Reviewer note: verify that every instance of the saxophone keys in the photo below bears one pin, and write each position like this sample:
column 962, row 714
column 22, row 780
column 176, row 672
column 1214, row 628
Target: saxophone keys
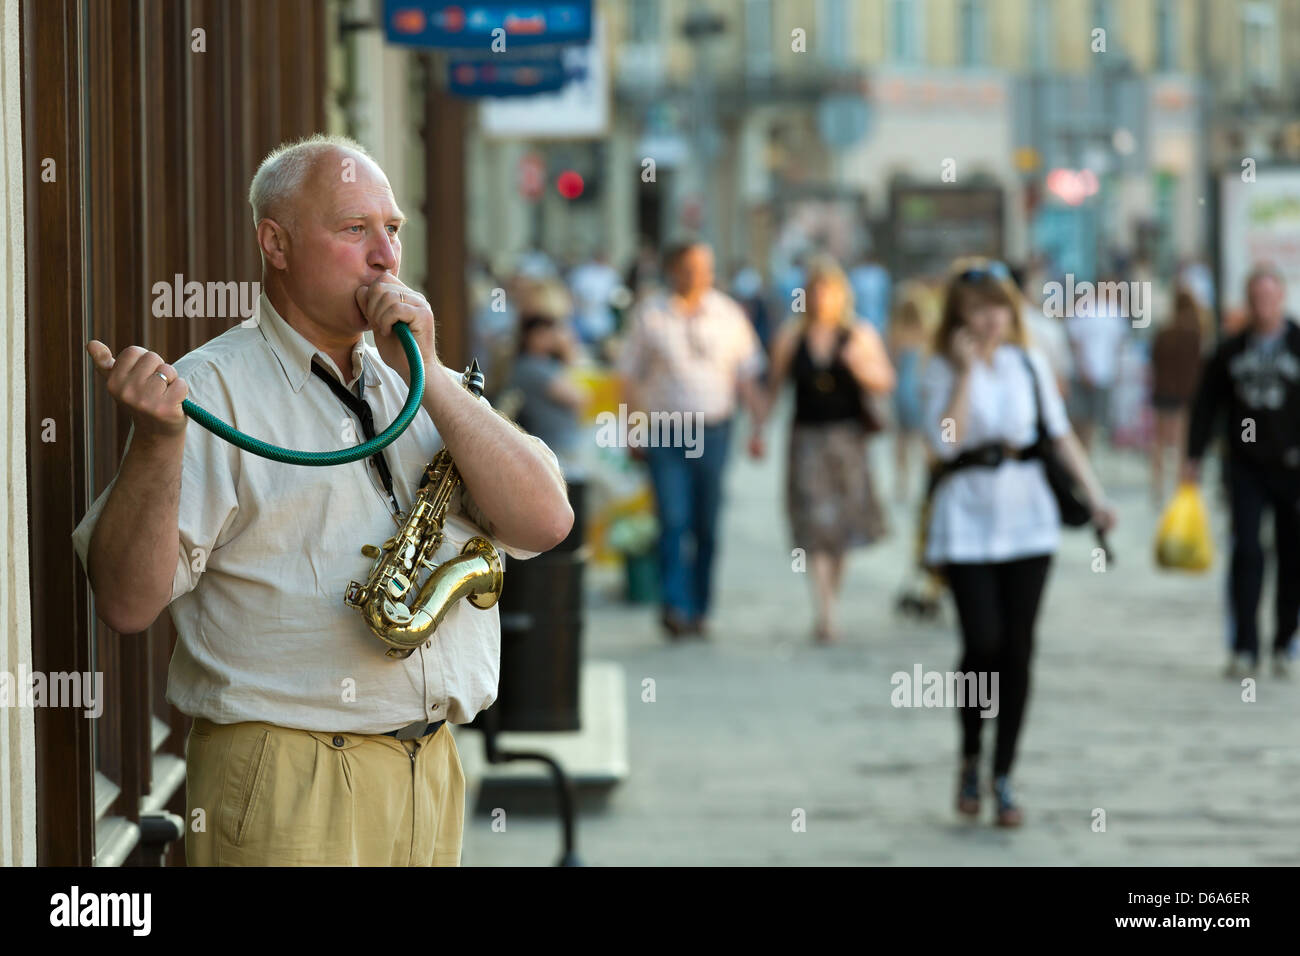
column 370, row 551
column 397, row 586
column 397, row 613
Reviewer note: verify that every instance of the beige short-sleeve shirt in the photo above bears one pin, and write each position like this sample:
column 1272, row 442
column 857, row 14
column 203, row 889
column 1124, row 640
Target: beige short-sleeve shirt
column 268, row 550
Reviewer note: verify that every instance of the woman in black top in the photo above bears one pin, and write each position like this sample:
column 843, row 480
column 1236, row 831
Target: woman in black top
column 830, row 499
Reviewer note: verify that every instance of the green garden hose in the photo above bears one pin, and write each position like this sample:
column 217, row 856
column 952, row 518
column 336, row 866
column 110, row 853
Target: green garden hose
column 340, row 456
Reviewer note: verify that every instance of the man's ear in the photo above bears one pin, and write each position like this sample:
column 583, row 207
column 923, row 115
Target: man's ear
column 273, row 240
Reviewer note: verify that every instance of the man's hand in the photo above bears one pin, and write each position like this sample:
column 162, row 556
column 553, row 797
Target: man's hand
column 386, row 302
column 136, row 382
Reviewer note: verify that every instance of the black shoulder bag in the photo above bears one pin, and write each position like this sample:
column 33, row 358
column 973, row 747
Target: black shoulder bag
column 1070, row 499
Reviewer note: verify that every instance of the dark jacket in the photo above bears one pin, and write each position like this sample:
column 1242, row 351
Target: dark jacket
column 1239, row 384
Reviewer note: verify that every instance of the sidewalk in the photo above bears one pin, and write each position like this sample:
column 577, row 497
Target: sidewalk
column 1128, row 714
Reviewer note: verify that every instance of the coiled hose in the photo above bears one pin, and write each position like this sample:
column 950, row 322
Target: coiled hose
column 339, row 456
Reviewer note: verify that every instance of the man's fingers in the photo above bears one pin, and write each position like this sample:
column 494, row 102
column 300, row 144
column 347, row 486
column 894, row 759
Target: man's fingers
column 177, row 391
column 371, row 294
column 101, row 355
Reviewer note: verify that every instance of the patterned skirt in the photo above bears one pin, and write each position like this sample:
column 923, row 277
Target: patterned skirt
column 830, row 497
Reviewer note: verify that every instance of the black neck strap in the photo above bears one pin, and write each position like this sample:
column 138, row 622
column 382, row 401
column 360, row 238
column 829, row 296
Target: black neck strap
column 359, row 408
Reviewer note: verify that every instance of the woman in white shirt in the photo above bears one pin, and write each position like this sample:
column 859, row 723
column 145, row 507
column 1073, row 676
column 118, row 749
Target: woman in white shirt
column 994, row 527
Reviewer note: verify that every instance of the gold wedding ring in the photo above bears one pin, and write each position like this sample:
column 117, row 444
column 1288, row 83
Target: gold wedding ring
column 163, row 377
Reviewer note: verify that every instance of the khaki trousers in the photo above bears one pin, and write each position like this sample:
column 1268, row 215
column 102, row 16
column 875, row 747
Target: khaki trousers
column 271, row 796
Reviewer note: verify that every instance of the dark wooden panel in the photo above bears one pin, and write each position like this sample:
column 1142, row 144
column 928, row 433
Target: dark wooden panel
column 171, row 137
column 56, row 472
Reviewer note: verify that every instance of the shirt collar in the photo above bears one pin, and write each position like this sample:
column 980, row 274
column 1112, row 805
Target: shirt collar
column 295, row 353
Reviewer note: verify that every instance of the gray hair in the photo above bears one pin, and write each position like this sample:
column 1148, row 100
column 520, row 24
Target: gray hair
column 282, row 172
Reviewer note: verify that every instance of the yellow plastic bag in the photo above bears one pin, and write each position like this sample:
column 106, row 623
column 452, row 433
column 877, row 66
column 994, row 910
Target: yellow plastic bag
column 1183, row 536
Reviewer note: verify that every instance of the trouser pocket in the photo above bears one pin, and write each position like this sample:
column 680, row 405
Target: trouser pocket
column 252, row 782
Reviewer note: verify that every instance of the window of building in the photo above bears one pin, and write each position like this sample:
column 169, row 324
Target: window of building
column 1166, row 35
column 758, row 37
column 1040, row 35
column 643, row 21
column 833, row 30
column 1102, row 17
column 1259, row 44
column 973, row 32
column 905, row 31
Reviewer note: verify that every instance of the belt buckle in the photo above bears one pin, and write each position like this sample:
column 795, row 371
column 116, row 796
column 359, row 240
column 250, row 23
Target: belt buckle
column 412, row 731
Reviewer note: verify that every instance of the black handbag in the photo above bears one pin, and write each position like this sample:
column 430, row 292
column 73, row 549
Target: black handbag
column 1070, row 499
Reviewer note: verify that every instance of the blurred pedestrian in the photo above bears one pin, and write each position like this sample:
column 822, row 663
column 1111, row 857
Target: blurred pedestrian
column 907, row 346
column 871, row 286
column 690, row 352
column 748, row 289
column 832, row 359
column 642, row 274
column 994, row 522
column 1175, row 368
column 550, row 401
column 1047, row 332
column 1096, row 334
column 1253, row 379
column 593, row 284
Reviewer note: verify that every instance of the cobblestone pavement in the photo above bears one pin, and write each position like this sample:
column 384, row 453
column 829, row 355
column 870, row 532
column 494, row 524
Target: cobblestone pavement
column 1128, row 714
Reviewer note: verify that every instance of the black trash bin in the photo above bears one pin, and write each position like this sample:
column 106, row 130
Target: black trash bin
column 541, row 636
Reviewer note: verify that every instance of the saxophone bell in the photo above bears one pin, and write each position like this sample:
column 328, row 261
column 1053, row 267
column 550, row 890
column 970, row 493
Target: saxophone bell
column 475, row 574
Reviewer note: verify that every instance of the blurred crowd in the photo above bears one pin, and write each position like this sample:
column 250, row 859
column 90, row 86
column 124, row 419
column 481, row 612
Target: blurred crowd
column 1131, row 381
column 997, row 384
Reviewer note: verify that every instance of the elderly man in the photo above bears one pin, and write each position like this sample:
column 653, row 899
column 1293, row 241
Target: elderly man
column 309, row 745
column 689, row 353
column 1253, row 381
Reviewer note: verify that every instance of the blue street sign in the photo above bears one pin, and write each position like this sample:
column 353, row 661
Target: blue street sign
column 472, row 76
column 438, row 24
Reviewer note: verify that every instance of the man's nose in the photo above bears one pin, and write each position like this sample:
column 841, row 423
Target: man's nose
column 383, row 253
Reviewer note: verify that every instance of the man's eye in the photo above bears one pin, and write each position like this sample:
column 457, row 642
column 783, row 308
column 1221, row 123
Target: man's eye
column 350, row 228
column 393, row 229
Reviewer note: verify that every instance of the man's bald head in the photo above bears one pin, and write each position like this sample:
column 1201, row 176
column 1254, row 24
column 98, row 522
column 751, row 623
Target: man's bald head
column 293, row 169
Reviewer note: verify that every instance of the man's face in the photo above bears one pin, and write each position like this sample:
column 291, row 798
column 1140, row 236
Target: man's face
column 1267, row 300
column 694, row 272
column 344, row 235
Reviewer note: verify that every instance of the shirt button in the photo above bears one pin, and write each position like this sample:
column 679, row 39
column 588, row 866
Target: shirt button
column 428, row 643
column 338, row 740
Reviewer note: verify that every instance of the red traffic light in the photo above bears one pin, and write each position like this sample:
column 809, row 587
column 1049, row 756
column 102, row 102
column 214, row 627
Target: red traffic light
column 569, row 184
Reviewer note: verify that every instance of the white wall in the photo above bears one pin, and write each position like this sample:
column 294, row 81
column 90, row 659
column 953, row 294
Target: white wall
column 17, row 724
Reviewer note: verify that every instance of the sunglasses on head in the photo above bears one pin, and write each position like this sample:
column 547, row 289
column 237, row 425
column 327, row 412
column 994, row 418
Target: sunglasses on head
column 996, row 270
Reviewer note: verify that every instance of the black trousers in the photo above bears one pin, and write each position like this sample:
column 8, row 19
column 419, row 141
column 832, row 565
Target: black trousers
column 997, row 605
column 1251, row 489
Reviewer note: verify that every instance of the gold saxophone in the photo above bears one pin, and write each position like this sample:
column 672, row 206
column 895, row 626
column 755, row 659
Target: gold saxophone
column 474, row 574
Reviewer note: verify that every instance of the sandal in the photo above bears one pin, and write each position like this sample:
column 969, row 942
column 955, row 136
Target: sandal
column 968, row 788
column 1009, row 814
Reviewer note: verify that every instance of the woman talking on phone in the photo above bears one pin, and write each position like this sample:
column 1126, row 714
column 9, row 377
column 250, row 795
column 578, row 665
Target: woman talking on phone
column 994, row 520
